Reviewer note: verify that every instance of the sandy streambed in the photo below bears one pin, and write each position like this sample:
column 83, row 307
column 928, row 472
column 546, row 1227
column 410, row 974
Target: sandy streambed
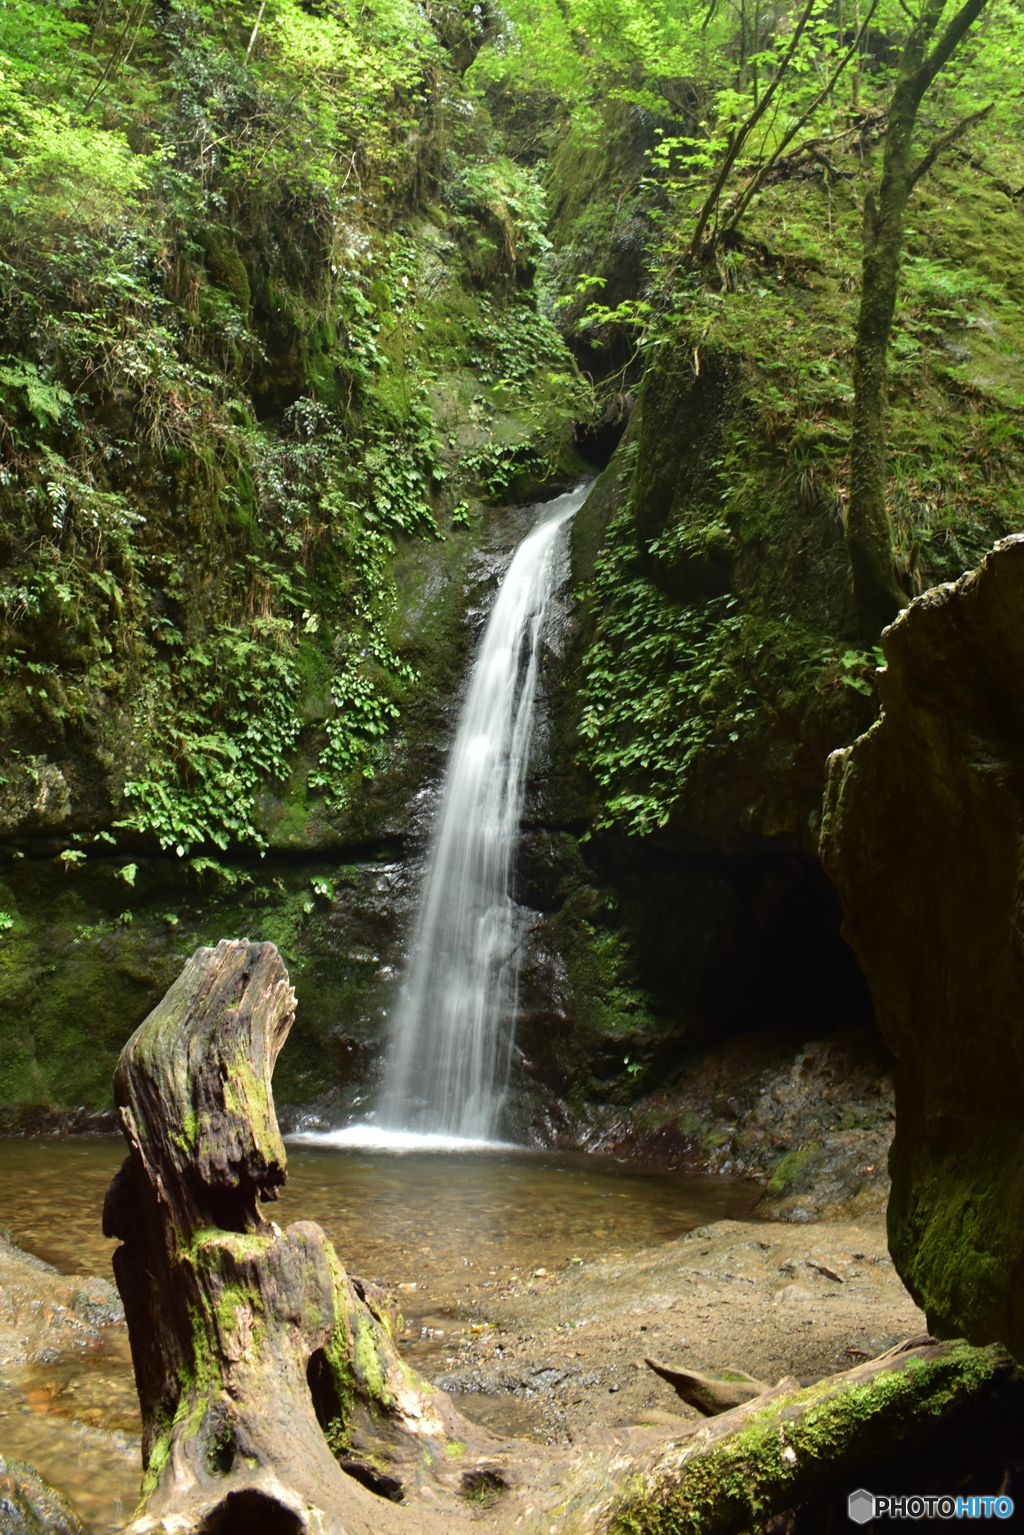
column 552, row 1354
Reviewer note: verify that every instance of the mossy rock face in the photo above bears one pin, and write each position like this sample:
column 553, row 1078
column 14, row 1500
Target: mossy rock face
column 600, row 201
column 86, row 957
column 686, row 403
column 922, row 837
column 226, row 266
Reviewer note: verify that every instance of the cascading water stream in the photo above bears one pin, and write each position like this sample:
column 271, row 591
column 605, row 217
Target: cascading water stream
column 451, row 1042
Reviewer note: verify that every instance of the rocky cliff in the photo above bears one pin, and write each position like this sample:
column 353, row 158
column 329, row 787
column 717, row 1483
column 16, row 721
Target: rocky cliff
column 321, row 309
column 924, row 838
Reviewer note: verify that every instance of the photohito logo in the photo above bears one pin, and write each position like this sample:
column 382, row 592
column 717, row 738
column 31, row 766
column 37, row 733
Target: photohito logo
column 863, row 1505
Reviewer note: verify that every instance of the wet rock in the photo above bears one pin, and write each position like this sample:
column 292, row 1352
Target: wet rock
column 924, row 838
column 28, row 1506
column 525, row 1379
column 34, row 795
column 812, row 1122
column 548, row 868
column 44, row 1313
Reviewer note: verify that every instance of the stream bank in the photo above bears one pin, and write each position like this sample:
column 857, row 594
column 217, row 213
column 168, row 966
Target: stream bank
column 533, row 1301
column 562, row 1351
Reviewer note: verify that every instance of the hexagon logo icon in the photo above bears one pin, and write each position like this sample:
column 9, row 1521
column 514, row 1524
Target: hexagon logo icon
column 860, row 1506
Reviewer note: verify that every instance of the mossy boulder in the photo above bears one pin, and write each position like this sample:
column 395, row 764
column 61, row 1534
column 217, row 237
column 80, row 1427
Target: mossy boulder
column 923, row 839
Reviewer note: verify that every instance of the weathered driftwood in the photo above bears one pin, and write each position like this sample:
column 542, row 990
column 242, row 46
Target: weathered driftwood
column 712, row 1394
column 273, row 1399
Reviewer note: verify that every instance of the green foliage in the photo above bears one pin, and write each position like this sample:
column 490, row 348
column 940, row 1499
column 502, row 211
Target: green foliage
column 512, row 341
column 858, row 666
column 661, row 688
column 498, row 467
column 365, row 713
column 221, row 722
column 33, row 37
column 45, row 401
column 214, row 382
column 514, row 202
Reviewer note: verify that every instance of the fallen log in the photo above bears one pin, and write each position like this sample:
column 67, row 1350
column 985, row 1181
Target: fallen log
column 273, row 1399
column 789, row 1448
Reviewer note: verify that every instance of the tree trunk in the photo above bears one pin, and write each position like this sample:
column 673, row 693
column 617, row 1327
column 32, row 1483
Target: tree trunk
column 869, row 535
column 265, row 1374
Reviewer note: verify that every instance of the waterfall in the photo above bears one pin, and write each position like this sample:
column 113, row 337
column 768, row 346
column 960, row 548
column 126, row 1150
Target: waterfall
column 451, row 1040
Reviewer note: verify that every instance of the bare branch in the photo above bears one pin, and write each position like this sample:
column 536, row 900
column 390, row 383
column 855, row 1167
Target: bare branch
column 256, row 27
column 941, row 145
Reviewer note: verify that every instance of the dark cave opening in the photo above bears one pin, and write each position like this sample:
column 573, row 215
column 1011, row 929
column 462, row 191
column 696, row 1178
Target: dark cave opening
column 731, row 942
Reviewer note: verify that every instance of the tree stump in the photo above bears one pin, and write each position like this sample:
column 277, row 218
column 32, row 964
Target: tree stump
column 273, row 1399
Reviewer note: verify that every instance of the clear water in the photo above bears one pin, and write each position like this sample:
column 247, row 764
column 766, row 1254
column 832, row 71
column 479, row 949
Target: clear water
column 451, row 1041
column 447, row 1228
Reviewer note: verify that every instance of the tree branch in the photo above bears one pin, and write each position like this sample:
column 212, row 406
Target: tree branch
column 757, row 181
column 950, row 40
column 941, row 145
column 711, row 200
column 256, row 27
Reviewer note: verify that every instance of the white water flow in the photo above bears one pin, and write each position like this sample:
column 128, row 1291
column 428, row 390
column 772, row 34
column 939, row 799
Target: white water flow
column 451, row 1042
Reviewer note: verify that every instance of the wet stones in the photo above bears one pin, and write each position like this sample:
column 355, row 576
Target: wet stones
column 44, row 1314
column 28, row 1506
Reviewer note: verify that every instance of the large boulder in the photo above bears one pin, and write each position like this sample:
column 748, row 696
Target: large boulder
column 923, row 835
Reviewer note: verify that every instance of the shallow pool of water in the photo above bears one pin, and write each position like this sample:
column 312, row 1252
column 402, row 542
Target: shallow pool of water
column 446, row 1227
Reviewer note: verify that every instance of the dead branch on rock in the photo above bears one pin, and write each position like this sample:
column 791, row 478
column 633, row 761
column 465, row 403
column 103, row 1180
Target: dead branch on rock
column 711, row 1395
